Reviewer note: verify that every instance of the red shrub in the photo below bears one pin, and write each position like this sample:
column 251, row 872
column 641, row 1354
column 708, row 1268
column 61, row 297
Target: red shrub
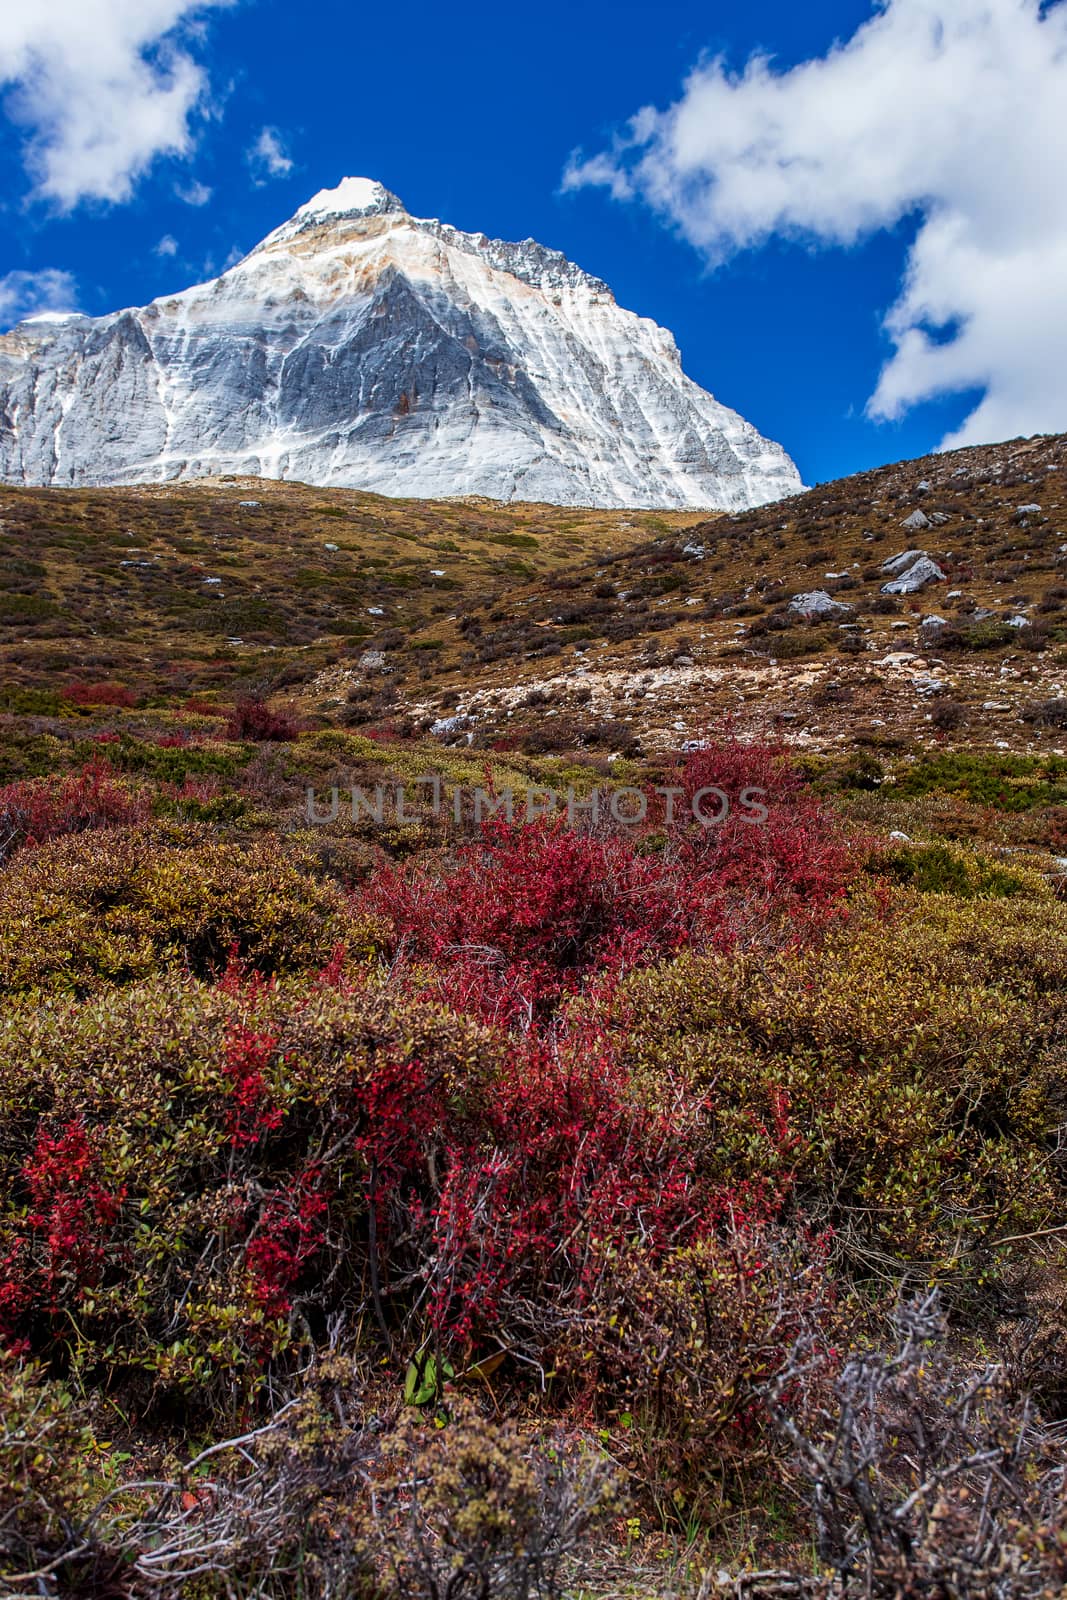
column 288, row 1237
column 251, row 1111
column 565, row 1164
column 71, row 1212
column 794, row 860
column 253, row 719
column 532, row 912
column 98, row 694
column 38, row 809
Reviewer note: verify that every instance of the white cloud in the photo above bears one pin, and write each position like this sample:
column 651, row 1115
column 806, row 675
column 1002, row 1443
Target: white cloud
column 167, row 246
column 102, row 87
column 951, row 112
column 194, row 194
column 22, row 294
column 269, row 157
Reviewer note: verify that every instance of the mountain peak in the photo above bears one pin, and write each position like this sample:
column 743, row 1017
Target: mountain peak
column 360, row 346
column 352, row 197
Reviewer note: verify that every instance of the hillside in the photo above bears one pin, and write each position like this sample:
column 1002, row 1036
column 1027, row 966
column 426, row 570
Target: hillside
column 670, row 633
column 402, row 1198
column 201, row 586
column 361, row 609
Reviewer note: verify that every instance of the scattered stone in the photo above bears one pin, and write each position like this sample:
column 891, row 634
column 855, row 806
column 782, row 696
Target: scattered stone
column 917, row 577
column 331, row 547
column 372, row 661
column 818, row 603
column 899, row 563
column 1029, row 511
column 445, row 727
column 900, row 838
column 375, row 611
column 917, row 520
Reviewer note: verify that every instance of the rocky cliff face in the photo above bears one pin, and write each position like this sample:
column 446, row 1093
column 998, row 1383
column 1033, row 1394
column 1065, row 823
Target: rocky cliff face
column 360, row 347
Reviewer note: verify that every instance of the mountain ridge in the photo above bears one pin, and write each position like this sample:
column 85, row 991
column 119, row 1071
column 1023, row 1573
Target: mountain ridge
column 356, row 346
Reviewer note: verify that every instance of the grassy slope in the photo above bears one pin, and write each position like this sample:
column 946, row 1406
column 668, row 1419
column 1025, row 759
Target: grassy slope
column 521, row 627
column 656, row 621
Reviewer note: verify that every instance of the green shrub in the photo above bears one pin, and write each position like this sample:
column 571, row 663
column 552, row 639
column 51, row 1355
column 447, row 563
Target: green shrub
column 186, row 1171
column 941, row 868
column 995, row 778
column 902, row 1082
column 115, row 907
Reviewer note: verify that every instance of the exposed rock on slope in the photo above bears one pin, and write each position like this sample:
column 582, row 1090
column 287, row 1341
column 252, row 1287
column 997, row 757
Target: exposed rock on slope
column 359, row 346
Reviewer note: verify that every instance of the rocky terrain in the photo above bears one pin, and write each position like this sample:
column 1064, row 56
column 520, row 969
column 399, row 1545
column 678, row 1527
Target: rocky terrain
column 919, row 604
column 360, row 346
column 530, row 624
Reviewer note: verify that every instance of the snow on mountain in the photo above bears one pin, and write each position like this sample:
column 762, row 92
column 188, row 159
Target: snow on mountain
column 358, row 346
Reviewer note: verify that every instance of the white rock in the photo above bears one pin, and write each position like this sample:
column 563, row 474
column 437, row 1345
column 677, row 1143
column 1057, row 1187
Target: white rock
column 445, row 727
column 818, row 603
column 905, row 558
column 916, row 521
column 917, row 577
column 375, row 611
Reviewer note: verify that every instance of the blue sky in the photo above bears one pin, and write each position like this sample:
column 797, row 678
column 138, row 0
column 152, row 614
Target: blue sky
column 472, row 114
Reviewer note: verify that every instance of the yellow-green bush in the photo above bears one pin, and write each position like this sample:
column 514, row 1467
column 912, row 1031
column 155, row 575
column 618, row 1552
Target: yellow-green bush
column 115, row 907
column 186, row 1170
column 903, row 1081
column 937, row 867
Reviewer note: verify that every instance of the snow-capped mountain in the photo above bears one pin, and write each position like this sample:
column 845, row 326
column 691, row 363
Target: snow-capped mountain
column 361, row 347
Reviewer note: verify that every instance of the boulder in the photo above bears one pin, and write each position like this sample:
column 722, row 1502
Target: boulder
column 923, row 571
column 898, row 563
column 817, row 603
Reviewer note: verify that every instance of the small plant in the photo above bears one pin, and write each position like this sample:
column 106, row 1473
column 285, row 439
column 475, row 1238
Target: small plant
column 252, row 719
column 926, row 1478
